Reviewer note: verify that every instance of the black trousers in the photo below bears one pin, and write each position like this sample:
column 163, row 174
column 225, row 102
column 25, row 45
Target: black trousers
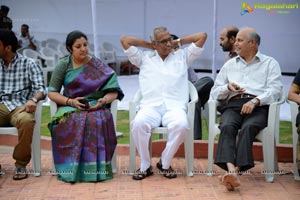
column 203, row 86
column 238, row 133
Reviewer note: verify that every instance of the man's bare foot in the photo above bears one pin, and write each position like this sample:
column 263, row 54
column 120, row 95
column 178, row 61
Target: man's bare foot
column 227, row 185
column 232, row 179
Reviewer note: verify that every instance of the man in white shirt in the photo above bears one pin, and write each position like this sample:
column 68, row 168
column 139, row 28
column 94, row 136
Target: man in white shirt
column 25, row 39
column 246, row 85
column 164, row 86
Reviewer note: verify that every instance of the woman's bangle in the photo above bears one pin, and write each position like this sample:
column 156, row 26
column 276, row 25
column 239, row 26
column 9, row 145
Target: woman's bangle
column 105, row 101
column 67, row 101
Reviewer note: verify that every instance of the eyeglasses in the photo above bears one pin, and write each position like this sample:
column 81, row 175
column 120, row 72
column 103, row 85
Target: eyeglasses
column 165, row 41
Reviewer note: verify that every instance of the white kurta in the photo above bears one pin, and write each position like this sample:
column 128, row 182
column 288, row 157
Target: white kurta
column 165, row 94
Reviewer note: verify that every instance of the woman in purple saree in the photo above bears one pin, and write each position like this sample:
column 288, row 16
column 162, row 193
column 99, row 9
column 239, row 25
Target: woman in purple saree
column 83, row 134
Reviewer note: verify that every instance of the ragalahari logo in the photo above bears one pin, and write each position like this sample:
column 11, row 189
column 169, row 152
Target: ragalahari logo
column 246, row 8
column 271, row 8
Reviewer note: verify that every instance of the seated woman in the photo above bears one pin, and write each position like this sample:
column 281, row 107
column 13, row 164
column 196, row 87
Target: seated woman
column 82, row 130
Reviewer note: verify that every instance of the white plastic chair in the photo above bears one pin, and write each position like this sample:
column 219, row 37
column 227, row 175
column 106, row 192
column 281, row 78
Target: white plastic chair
column 62, row 50
column 20, row 50
column 34, row 55
column 120, row 56
column 36, row 139
column 52, row 41
column 109, row 57
column 52, row 46
column 189, row 140
column 113, row 110
column 57, row 49
column 51, row 58
column 107, row 46
column 38, row 44
column 267, row 136
column 294, row 112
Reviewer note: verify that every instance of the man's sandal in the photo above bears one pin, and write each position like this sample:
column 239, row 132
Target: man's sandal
column 168, row 173
column 20, row 174
column 140, row 175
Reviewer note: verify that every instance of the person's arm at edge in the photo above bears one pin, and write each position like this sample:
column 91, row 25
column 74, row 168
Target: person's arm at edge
column 128, row 41
column 293, row 94
column 31, row 43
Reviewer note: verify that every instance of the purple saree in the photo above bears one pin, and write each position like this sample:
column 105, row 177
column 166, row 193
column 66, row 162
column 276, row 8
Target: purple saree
column 83, row 142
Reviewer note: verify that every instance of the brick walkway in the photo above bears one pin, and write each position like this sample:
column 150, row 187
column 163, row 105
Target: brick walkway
column 155, row 187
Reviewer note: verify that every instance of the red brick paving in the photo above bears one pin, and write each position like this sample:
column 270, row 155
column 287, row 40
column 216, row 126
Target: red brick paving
column 155, row 187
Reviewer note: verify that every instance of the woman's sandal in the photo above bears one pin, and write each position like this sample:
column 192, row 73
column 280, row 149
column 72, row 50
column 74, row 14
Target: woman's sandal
column 139, row 175
column 168, row 173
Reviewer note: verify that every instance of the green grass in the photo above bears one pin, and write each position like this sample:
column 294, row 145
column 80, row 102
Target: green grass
column 45, row 120
column 285, row 132
column 123, row 126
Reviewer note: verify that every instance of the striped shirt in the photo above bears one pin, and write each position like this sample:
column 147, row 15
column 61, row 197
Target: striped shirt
column 20, row 81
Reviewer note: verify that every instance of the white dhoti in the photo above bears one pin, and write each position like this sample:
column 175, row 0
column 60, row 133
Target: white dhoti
column 147, row 118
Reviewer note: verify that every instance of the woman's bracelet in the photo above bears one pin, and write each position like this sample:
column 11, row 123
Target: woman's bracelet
column 67, row 101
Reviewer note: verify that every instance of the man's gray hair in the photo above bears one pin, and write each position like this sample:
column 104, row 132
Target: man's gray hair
column 254, row 36
column 156, row 31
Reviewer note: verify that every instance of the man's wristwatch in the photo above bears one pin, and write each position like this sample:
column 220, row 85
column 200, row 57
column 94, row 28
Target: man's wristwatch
column 178, row 42
column 254, row 101
column 34, row 99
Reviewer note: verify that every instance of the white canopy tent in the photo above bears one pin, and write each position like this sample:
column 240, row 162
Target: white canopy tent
column 107, row 20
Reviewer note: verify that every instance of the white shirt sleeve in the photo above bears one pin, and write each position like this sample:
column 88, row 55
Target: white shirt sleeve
column 135, row 55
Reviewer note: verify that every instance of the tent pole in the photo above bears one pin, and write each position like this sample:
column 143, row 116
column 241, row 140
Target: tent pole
column 213, row 63
column 95, row 35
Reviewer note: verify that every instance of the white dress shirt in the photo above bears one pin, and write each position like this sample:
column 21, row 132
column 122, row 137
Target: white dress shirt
column 261, row 77
column 25, row 41
column 164, row 81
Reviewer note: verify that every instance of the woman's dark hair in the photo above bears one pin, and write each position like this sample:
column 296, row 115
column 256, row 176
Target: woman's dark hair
column 9, row 38
column 72, row 36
